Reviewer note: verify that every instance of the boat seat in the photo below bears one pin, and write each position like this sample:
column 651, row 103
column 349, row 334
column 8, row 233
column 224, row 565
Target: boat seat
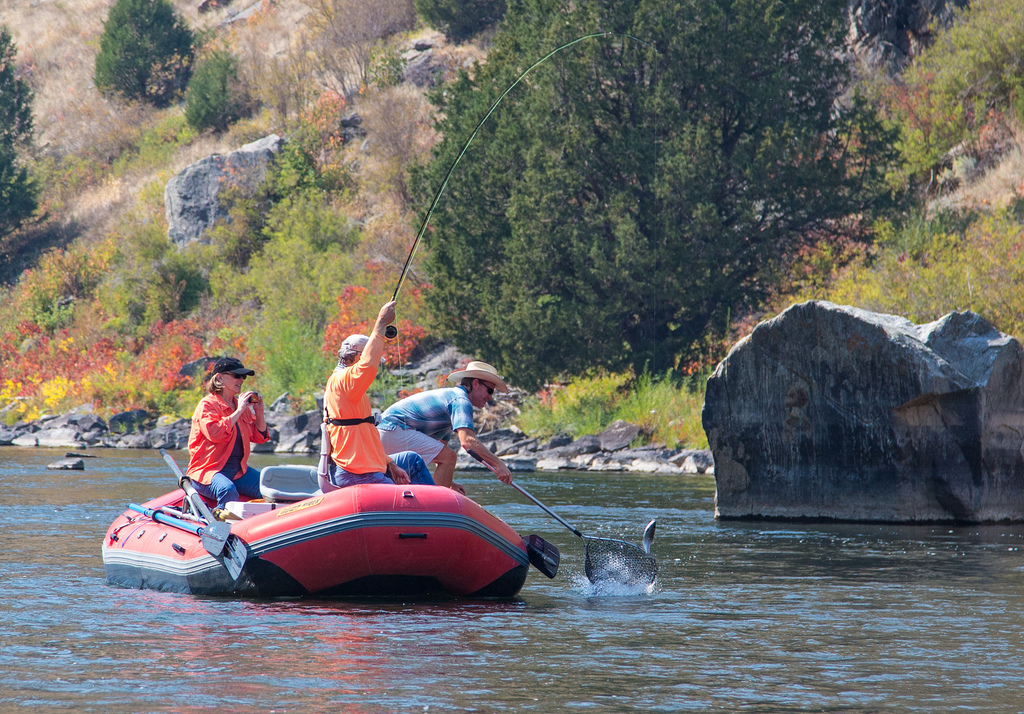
column 289, row 482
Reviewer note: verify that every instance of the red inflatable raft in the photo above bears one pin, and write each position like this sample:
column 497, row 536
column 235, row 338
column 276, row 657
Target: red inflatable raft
column 373, row 540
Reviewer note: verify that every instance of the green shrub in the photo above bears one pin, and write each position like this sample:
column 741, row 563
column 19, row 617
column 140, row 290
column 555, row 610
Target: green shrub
column 173, row 287
column 145, row 52
column 386, row 66
column 973, row 73
column 311, row 157
column 302, row 263
column 49, row 293
column 156, row 145
column 292, row 360
column 151, row 281
column 234, row 242
column 667, row 411
column 584, row 406
column 927, row 268
column 215, row 96
column 461, row 19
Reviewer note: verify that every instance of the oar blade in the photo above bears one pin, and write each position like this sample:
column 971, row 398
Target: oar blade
column 215, row 537
column 225, row 547
column 234, row 556
column 543, row 555
column 616, row 561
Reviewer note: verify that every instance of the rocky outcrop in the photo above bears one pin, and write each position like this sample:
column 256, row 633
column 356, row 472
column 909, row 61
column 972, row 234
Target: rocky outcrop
column 193, row 198
column 887, row 34
column 606, row 451
column 830, row 412
column 423, row 65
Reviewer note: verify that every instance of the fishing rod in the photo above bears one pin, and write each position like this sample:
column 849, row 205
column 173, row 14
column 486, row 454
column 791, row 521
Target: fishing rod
column 391, row 331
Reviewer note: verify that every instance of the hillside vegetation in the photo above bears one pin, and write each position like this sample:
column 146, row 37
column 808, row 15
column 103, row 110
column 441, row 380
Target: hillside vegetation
column 634, row 206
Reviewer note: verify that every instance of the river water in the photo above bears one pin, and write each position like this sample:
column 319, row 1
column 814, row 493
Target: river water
column 752, row 617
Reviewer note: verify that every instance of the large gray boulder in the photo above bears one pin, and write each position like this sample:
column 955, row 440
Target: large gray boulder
column 192, row 198
column 830, row 412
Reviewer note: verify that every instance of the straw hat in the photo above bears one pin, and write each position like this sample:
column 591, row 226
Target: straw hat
column 480, row 370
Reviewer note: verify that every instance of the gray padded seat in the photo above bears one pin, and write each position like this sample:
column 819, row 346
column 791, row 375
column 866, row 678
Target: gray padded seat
column 289, row 483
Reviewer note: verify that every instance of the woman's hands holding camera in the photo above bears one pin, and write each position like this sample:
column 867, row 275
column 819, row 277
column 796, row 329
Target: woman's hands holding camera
column 254, row 402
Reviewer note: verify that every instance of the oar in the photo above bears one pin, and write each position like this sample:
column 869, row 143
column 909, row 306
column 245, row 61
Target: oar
column 544, row 556
column 160, row 517
column 216, row 535
column 606, row 558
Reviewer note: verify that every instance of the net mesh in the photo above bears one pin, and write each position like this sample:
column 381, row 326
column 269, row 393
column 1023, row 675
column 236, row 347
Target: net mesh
column 618, row 561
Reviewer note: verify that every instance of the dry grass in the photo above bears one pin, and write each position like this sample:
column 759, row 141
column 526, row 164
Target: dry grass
column 57, row 41
column 999, row 186
column 56, row 47
column 399, row 125
column 344, row 33
column 398, row 122
column 388, row 234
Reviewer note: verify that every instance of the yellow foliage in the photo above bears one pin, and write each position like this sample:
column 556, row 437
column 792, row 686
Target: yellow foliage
column 983, row 271
column 54, row 391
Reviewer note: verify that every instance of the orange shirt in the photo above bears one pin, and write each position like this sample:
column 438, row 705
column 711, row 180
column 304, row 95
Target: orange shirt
column 356, row 449
column 213, row 437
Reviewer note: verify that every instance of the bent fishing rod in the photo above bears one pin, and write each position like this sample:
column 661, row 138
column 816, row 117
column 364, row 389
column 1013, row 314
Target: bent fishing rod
column 391, row 331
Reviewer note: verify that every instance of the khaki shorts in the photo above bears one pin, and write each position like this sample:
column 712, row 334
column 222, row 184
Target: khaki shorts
column 398, row 440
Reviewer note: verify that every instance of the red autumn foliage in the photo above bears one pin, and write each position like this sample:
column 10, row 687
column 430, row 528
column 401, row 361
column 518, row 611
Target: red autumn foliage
column 357, row 311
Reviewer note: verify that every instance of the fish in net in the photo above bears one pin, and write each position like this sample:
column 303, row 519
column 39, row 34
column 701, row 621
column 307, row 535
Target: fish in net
column 611, row 560
column 608, row 559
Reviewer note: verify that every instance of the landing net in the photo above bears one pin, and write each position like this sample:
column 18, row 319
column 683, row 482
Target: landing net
column 610, row 560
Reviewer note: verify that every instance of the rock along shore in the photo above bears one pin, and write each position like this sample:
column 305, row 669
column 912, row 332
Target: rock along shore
column 299, row 434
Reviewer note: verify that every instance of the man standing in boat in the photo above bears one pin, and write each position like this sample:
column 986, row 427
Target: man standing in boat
column 356, row 453
column 424, row 422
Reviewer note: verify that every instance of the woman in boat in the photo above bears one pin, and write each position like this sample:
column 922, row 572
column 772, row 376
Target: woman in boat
column 225, row 421
column 357, row 456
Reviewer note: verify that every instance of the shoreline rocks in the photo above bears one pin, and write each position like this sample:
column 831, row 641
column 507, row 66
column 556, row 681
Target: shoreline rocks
column 299, row 434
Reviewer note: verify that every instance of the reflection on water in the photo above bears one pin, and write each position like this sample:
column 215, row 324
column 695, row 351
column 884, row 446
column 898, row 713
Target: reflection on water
column 758, row 617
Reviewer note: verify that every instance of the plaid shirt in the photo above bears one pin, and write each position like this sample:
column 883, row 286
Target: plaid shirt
column 436, row 413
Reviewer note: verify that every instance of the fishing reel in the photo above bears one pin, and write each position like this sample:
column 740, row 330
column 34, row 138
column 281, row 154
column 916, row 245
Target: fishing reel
column 390, row 332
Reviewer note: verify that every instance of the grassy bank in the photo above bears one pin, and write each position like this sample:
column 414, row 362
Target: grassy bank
column 667, row 410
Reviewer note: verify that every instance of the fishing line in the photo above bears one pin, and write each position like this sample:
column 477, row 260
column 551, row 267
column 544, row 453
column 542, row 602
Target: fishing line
column 391, row 331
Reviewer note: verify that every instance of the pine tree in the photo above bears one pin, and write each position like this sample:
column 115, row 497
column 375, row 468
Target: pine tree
column 622, row 202
column 145, row 51
column 215, row 97
column 17, row 191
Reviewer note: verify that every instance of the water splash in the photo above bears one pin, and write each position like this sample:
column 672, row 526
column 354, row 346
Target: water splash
column 611, row 588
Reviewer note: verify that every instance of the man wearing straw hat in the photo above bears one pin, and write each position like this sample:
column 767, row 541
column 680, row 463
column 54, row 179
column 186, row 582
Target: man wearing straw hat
column 424, row 422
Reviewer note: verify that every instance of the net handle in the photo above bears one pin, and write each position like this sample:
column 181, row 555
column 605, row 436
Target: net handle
column 548, row 510
column 526, row 493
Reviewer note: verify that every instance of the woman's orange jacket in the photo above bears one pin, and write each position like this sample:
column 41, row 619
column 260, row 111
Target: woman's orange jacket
column 213, row 437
